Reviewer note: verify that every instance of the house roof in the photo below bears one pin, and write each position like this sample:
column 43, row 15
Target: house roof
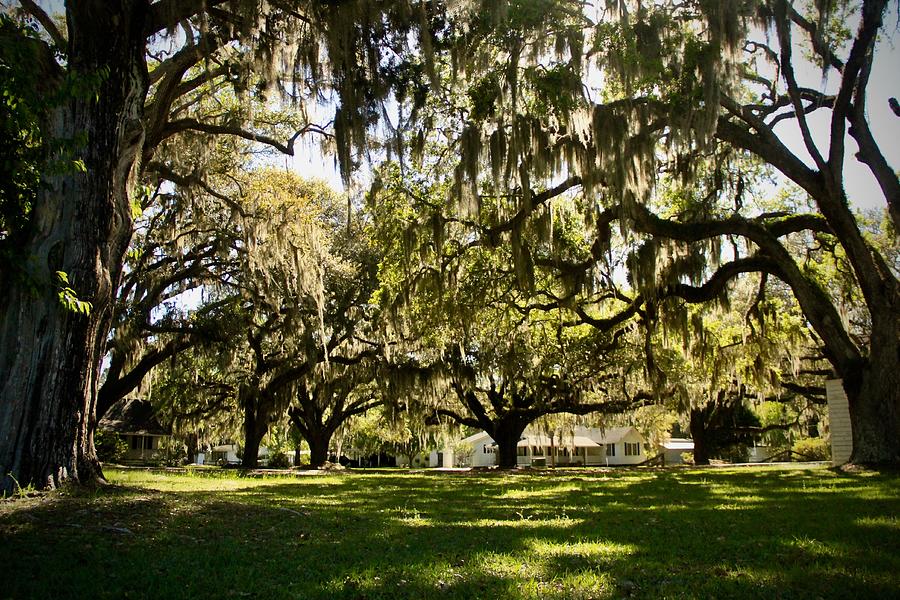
column 611, row 435
column 132, row 415
column 679, row 444
column 476, row 437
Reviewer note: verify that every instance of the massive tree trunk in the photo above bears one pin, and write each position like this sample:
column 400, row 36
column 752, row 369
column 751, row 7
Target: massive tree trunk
column 81, row 225
column 252, row 441
column 699, row 434
column 318, row 447
column 872, row 382
column 507, row 434
column 873, row 395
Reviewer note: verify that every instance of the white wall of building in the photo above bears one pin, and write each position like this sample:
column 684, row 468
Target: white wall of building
column 484, row 453
column 839, row 422
column 442, row 458
column 633, row 454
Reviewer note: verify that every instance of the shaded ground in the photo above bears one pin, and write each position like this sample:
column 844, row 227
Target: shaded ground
column 749, row 533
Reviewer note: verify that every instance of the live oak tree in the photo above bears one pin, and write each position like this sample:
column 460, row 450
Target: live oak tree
column 118, row 83
column 172, row 253
column 490, row 345
column 688, row 90
column 868, row 367
column 342, row 386
column 264, row 295
column 503, row 387
column 301, row 277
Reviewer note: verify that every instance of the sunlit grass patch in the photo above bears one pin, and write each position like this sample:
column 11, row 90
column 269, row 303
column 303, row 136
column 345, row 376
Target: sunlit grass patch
column 747, row 533
column 577, row 556
column 888, row 522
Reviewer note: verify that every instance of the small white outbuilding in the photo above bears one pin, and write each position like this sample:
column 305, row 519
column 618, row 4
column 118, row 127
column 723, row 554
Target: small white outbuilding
column 674, row 448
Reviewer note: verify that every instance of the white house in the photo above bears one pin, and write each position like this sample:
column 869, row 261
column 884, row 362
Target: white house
column 585, row 446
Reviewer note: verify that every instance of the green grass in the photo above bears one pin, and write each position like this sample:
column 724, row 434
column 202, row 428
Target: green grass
column 747, row 533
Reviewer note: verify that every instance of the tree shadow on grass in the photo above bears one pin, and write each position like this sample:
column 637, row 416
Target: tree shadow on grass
column 675, row 534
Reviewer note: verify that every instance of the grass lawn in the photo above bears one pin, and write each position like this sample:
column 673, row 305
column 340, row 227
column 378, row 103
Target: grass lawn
column 702, row 533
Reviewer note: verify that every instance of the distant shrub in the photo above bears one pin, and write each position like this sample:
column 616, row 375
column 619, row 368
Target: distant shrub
column 279, row 460
column 110, row 447
column 813, row 449
column 736, row 453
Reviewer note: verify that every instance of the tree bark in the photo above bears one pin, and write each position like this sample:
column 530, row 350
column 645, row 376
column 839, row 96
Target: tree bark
column 699, row 435
column 192, row 447
column 318, row 447
column 257, row 407
column 873, row 395
column 507, row 434
column 81, row 225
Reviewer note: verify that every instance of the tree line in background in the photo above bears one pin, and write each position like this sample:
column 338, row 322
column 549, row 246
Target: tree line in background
column 575, row 209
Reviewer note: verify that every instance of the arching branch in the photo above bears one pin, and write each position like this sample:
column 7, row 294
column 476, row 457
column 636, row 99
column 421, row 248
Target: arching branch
column 715, row 284
column 46, row 22
column 287, row 148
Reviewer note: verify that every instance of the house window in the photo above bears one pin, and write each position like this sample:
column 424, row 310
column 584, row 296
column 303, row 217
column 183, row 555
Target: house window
column 610, row 449
column 522, row 451
column 136, row 442
column 537, row 451
column 632, row 449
